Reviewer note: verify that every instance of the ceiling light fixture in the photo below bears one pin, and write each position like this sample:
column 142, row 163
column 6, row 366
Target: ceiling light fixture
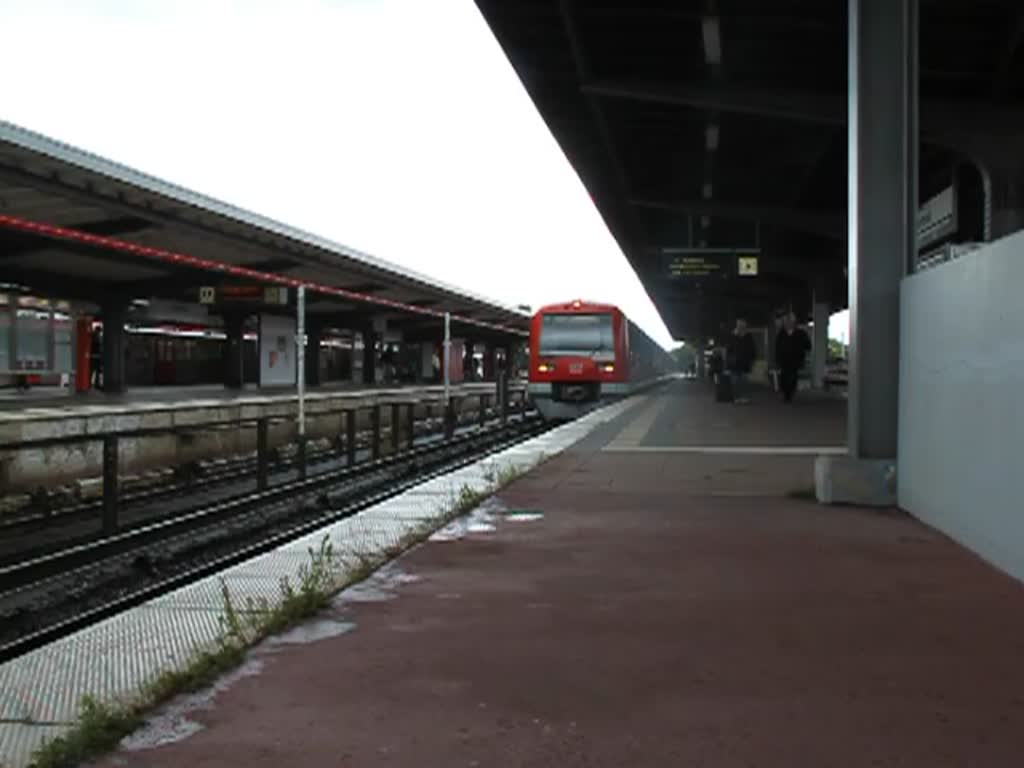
column 711, row 137
column 712, row 40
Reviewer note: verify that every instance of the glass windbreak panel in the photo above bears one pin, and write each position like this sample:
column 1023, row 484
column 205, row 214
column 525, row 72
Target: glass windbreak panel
column 565, row 334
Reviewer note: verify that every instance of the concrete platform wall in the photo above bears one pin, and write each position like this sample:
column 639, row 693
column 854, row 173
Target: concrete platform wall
column 24, row 470
column 961, row 451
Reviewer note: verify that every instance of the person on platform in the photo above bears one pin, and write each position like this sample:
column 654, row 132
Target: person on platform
column 791, row 347
column 96, row 357
column 741, row 355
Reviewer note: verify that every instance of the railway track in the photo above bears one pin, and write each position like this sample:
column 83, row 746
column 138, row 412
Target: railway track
column 44, row 598
column 48, row 527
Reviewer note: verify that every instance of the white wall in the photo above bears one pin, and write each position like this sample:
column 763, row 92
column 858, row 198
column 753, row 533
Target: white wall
column 961, row 448
column 277, row 351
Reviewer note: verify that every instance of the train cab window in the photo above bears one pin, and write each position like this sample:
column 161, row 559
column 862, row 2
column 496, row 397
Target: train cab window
column 576, row 333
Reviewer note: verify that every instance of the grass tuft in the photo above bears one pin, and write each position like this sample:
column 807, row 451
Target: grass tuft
column 101, row 726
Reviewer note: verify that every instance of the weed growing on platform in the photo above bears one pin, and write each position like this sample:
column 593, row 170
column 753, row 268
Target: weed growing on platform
column 497, row 478
column 461, row 503
column 101, row 726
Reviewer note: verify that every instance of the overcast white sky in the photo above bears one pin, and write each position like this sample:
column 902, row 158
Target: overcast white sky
column 394, row 126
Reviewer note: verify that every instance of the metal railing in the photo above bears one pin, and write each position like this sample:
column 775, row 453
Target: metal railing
column 402, row 421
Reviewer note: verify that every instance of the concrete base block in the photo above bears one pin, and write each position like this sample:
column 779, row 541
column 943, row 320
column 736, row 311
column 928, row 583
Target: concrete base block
column 848, row 480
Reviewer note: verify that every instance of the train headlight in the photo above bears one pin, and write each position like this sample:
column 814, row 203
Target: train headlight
column 545, row 368
column 608, row 368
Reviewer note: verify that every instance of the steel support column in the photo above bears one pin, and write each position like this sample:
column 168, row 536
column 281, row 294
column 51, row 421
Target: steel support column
column 1007, row 215
column 115, row 313
column 882, row 157
column 468, row 363
column 234, row 351
column 314, row 335
column 369, row 356
column 490, row 361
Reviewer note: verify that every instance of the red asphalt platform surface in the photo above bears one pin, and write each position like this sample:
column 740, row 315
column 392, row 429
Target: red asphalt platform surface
column 669, row 609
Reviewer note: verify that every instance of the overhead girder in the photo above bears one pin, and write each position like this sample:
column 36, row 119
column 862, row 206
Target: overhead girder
column 832, row 226
column 943, row 122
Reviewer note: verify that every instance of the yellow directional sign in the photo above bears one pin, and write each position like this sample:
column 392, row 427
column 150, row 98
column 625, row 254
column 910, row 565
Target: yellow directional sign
column 711, row 263
column 748, row 266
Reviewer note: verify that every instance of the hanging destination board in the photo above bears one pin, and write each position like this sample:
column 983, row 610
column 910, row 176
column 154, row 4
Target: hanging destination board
column 711, row 263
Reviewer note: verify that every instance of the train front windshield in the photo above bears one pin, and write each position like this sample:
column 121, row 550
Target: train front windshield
column 576, row 334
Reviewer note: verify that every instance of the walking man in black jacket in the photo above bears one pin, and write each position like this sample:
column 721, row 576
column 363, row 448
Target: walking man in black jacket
column 741, row 354
column 791, row 347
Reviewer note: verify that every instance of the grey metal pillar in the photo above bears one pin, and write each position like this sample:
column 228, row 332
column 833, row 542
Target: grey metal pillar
column 882, row 157
column 369, row 356
column 314, row 335
column 300, row 370
column 1007, row 213
column 446, row 358
column 115, row 313
column 513, row 358
column 234, row 351
column 468, row 363
column 882, row 197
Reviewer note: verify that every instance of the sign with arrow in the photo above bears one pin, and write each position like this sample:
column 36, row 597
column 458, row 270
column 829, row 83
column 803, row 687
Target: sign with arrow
column 748, row 266
column 710, row 263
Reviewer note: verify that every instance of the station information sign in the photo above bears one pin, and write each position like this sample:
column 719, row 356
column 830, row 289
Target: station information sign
column 711, row 263
column 257, row 294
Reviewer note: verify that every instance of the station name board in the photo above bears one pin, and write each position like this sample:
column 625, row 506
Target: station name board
column 258, row 294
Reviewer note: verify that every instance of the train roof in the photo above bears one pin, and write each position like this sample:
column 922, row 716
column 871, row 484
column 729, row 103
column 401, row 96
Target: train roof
column 578, row 304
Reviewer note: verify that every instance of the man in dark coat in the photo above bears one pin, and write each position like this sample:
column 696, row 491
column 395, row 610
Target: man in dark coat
column 741, row 354
column 791, row 347
column 96, row 357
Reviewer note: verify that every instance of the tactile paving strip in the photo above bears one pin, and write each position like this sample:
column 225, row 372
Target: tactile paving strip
column 18, row 741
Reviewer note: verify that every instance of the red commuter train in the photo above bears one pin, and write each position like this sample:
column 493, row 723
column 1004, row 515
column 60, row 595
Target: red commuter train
column 583, row 354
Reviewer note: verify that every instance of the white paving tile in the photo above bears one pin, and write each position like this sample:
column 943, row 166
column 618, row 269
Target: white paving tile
column 18, row 741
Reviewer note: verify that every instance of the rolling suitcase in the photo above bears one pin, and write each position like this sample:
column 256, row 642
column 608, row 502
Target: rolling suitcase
column 723, row 388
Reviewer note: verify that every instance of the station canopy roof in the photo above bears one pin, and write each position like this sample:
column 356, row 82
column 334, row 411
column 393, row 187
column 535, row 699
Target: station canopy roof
column 712, row 131
column 77, row 226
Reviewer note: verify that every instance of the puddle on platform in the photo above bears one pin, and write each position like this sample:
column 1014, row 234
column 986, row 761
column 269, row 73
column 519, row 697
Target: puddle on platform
column 381, row 586
column 480, row 520
column 312, row 631
column 524, row 515
column 172, row 723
